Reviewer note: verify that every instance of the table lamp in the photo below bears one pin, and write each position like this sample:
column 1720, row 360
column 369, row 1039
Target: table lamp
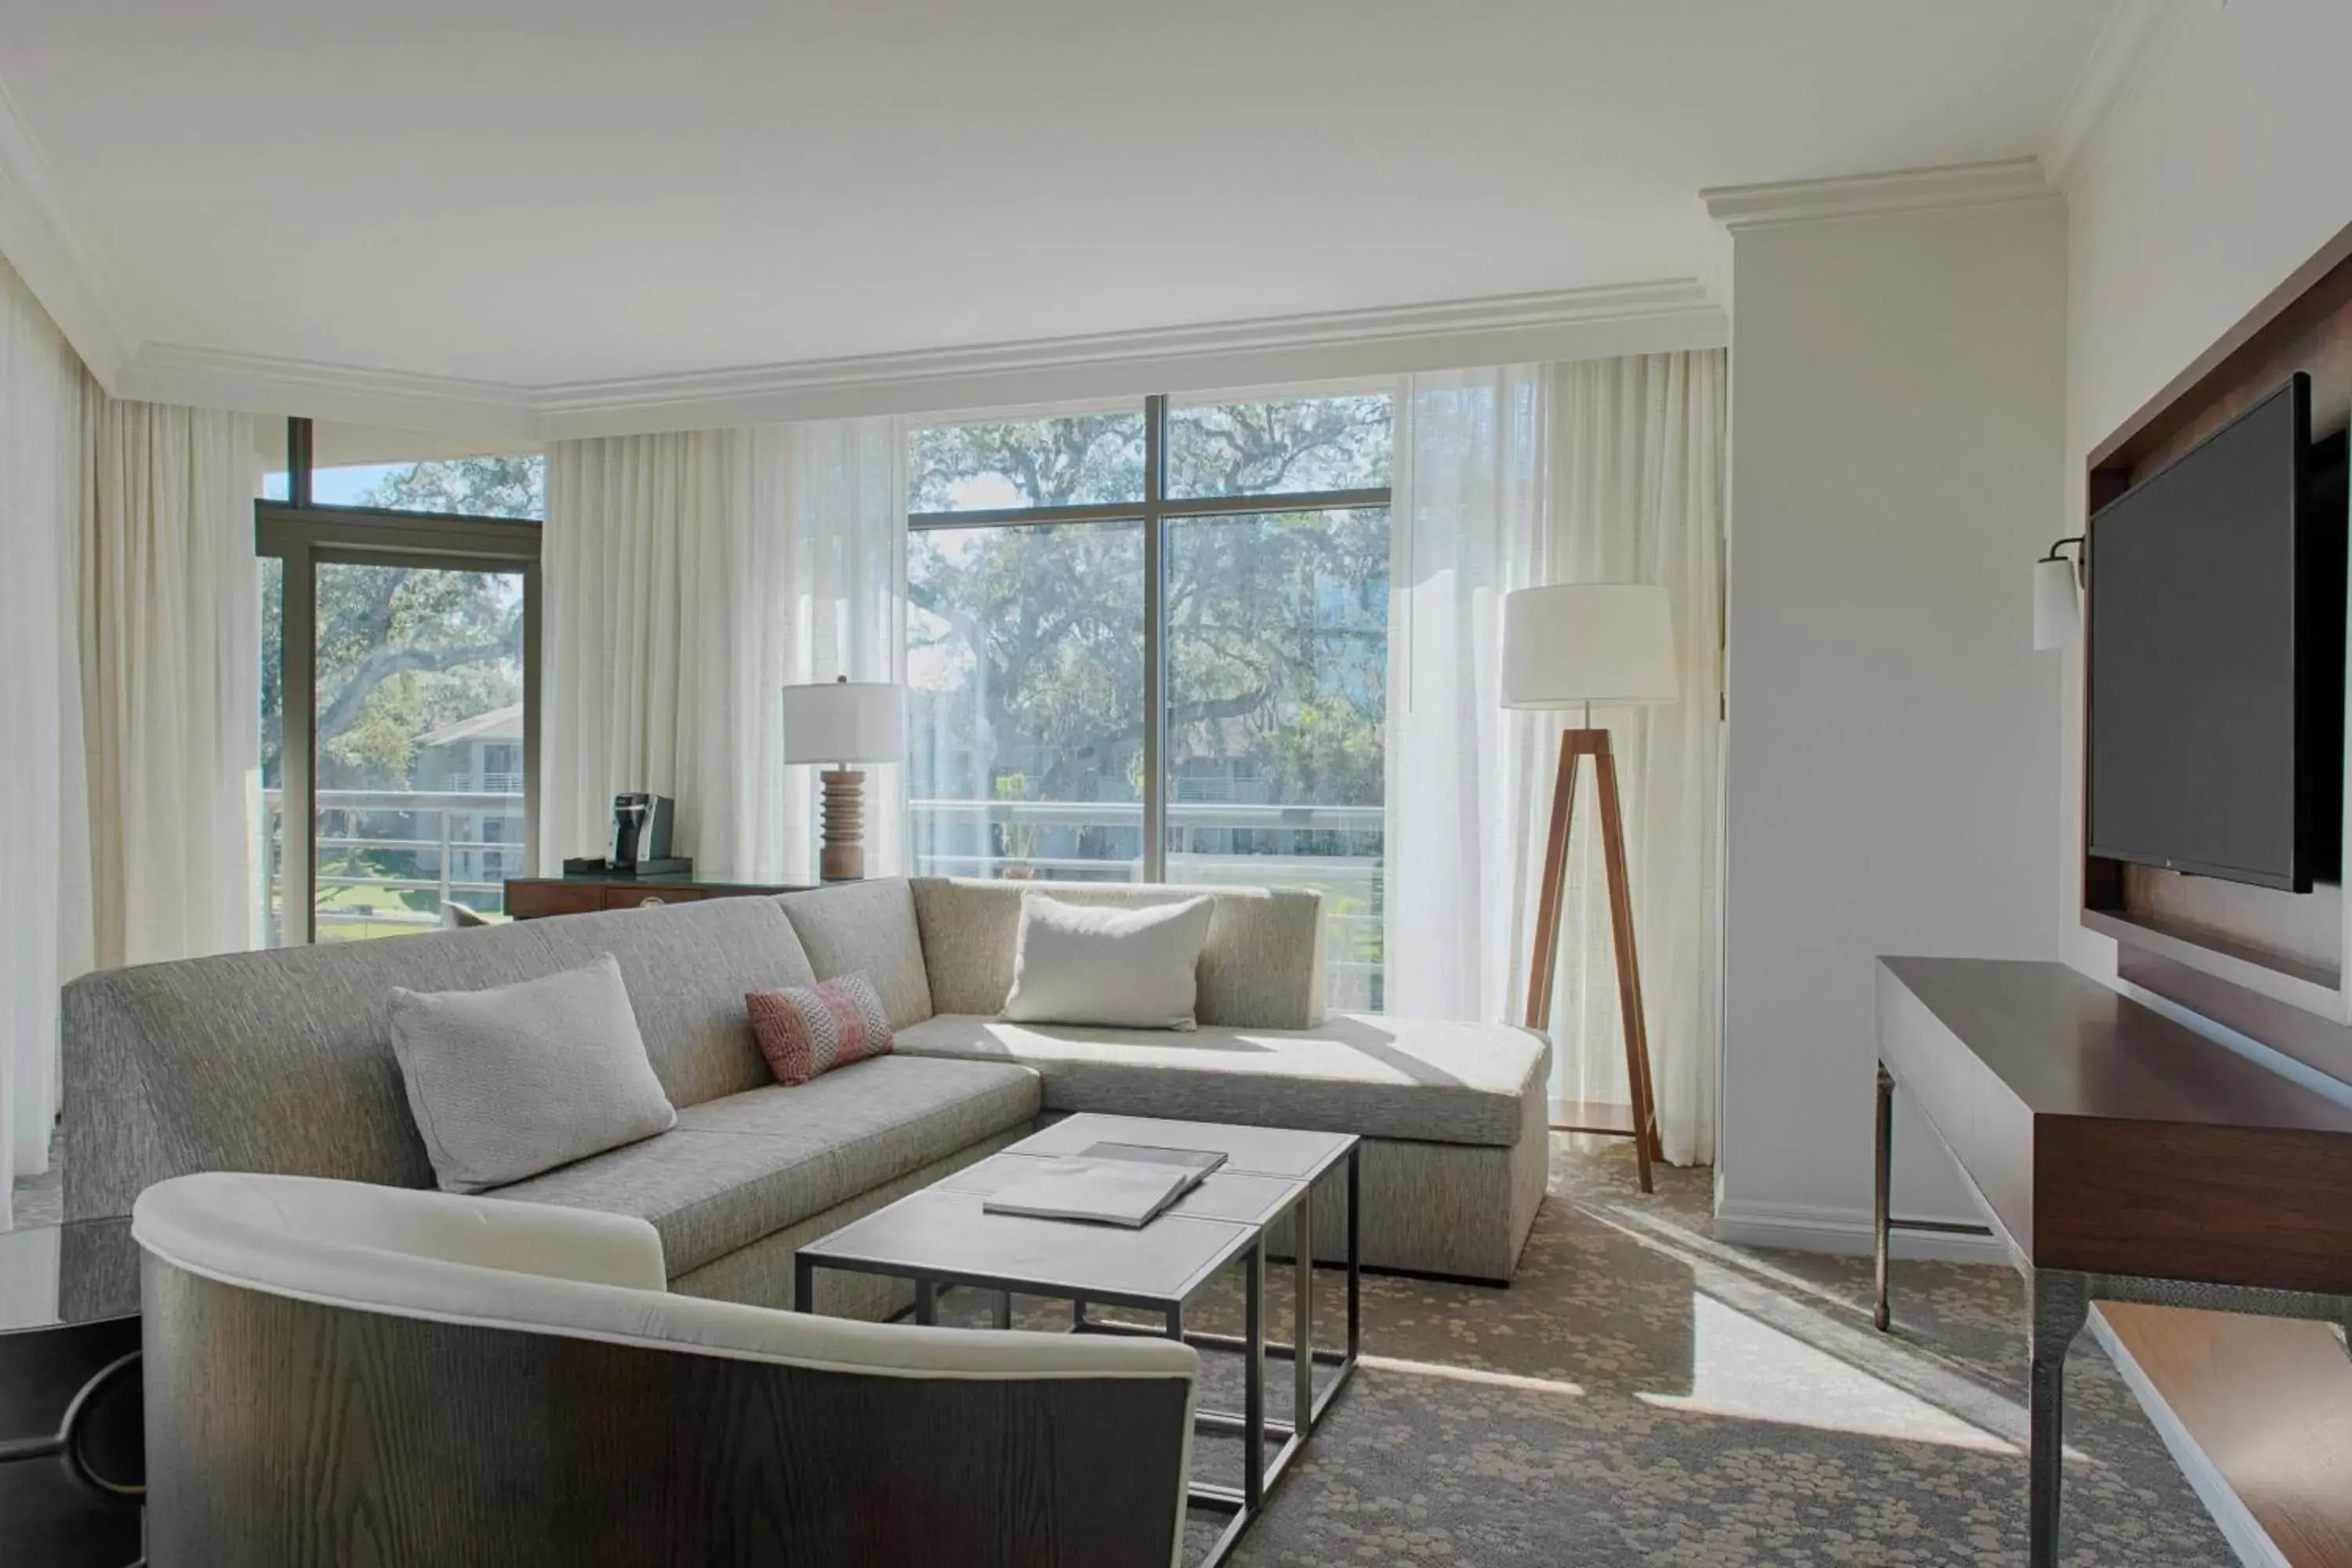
column 844, row 722
column 1572, row 645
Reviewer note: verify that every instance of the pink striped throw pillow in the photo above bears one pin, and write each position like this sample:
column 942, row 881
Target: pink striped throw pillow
column 810, row 1029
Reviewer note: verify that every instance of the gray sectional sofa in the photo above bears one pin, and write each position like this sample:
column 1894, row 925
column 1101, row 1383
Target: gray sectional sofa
column 281, row 1062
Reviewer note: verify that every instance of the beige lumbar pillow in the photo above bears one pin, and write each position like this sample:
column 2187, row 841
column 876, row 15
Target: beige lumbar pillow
column 1090, row 963
column 514, row 1081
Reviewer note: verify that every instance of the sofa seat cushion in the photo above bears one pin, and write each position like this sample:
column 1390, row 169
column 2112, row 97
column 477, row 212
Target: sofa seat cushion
column 1416, row 1078
column 736, row 1170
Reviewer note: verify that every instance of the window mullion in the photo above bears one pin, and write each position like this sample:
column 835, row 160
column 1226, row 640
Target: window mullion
column 1155, row 639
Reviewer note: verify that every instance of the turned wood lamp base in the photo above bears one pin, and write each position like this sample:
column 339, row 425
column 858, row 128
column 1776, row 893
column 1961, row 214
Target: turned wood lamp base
column 841, row 858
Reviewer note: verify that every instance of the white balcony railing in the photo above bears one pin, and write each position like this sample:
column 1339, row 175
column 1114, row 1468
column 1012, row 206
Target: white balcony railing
column 454, row 854
column 487, row 784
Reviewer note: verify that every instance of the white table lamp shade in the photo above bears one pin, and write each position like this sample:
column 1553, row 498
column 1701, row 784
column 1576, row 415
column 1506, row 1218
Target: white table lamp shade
column 845, row 721
column 1575, row 642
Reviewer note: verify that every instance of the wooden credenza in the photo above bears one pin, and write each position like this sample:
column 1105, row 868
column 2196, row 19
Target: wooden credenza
column 531, row 897
column 2120, row 1156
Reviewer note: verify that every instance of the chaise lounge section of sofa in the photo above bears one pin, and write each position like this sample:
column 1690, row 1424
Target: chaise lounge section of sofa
column 1453, row 1115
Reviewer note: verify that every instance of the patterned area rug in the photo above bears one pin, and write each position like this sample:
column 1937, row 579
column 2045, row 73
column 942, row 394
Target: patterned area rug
column 1644, row 1394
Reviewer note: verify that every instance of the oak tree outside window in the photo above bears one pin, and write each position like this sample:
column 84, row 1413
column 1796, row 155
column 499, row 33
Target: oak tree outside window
column 1151, row 643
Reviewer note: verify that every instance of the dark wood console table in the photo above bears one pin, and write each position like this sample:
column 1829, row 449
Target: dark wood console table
column 529, row 897
column 2119, row 1156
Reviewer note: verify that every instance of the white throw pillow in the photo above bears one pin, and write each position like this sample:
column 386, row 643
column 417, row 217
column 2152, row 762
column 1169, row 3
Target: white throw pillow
column 514, row 1081
column 1091, row 963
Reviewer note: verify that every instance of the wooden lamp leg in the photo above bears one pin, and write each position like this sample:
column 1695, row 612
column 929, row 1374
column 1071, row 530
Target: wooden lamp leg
column 1629, row 968
column 1555, row 874
column 1574, row 744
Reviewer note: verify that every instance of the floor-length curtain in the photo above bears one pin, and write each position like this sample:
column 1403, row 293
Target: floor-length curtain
column 1593, row 471
column 688, row 579
column 1637, row 495
column 1467, row 527
column 170, row 660
column 44, row 919
column 653, row 581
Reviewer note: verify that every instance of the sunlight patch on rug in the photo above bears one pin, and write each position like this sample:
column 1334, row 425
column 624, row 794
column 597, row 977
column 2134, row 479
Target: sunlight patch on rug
column 1750, row 1371
column 1471, row 1375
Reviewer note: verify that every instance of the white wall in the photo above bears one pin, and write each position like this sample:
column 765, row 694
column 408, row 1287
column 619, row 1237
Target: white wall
column 2226, row 167
column 1898, row 407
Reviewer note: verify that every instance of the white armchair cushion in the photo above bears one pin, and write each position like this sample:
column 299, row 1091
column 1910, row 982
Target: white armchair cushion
column 542, row 1269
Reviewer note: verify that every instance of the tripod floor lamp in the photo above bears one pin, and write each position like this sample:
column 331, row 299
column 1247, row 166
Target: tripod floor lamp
column 1574, row 646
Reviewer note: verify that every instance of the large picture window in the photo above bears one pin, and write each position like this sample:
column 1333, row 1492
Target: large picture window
column 399, row 593
column 1152, row 644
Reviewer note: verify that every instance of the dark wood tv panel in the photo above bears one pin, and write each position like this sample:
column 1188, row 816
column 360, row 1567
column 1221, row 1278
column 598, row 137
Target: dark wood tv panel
column 2261, row 1403
column 2120, row 1157
column 2271, row 963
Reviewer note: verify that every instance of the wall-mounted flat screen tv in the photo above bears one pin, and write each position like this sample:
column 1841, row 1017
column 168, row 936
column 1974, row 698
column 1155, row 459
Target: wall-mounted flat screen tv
column 2216, row 656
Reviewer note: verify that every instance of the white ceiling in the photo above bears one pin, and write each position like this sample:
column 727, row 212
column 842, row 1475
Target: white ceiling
column 539, row 192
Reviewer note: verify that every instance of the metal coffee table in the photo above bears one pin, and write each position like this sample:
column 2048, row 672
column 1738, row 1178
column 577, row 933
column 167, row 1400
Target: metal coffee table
column 941, row 1236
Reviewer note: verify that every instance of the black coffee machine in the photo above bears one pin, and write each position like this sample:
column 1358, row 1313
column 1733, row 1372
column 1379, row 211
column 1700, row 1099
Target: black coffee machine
column 640, row 830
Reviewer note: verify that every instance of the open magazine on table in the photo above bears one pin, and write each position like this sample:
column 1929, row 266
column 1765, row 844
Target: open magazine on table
column 1125, row 1184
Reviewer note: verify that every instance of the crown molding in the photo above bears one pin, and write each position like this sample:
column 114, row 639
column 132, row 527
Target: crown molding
column 41, row 241
column 1270, row 350
column 2135, row 38
column 1740, row 208
column 1578, row 323
column 350, row 395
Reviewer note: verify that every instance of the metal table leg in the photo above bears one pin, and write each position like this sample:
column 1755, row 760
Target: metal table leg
column 804, row 1285
column 2060, row 1306
column 1302, row 1327
column 926, row 1298
column 1881, row 1177
column 1253, row 1377
column 1355, row 1260
column 1882, row 1219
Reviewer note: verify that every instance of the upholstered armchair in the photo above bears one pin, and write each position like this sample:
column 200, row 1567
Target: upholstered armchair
column 341, row 1373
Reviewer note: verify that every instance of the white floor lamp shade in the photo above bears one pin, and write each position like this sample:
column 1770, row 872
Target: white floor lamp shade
column 841, row 722
column 1566, row 645
column 1574, row 643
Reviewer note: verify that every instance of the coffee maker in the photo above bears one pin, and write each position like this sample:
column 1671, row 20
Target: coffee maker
column 640, row 830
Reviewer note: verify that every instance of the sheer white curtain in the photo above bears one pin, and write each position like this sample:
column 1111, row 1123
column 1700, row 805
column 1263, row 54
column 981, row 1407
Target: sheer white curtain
column 1467, row 527
column 45, row 918
column 688, row 578
column 1590, row 471
column 169, row 688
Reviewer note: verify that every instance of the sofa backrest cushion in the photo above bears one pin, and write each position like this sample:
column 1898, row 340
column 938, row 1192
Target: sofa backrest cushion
column 517, row 1080
column 1261, row 968
column 869, row 927
column 282, row 1061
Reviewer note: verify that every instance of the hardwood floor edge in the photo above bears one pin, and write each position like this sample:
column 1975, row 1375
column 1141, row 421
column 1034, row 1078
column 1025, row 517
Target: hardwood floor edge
column 2230, row 1515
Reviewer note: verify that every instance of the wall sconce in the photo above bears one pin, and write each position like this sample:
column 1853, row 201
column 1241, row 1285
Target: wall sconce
column 2057, row 582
